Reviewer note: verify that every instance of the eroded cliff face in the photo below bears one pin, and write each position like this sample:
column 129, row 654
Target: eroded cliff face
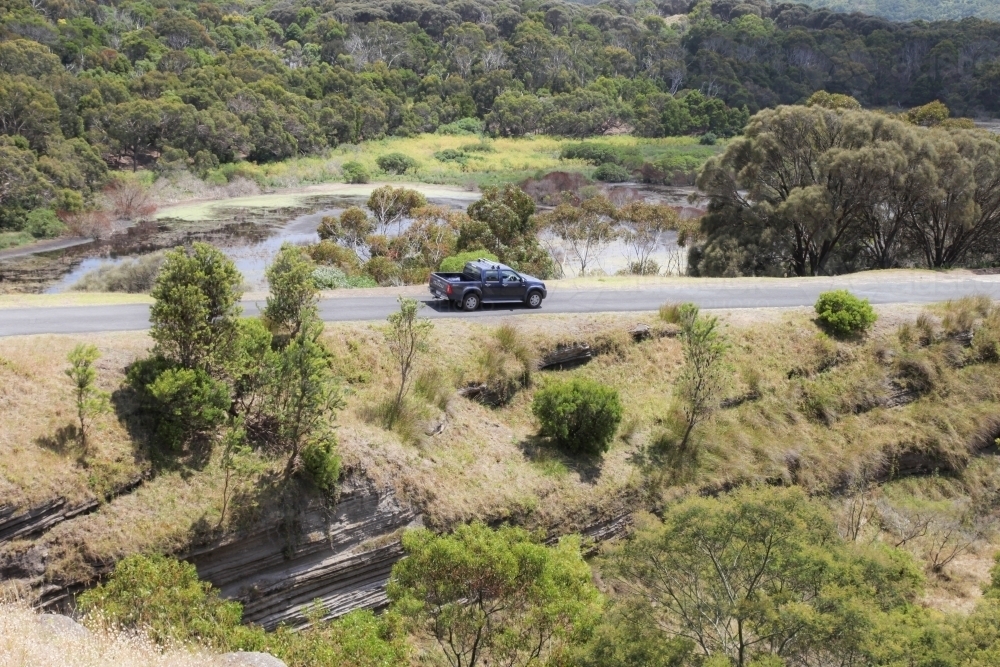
column 341, row 556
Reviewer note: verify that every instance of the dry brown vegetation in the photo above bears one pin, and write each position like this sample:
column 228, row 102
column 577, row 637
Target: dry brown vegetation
column 27, row 639
column 908, row 413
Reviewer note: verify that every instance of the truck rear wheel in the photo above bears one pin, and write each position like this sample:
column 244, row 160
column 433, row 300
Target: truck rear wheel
column 470, row 302
column 534, row 300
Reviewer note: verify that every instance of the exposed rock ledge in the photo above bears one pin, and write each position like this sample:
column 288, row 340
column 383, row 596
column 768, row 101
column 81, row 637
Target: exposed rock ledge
column 342, row 558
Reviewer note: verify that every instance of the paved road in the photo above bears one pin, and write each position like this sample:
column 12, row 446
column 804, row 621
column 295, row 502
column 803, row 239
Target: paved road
column 737, row 293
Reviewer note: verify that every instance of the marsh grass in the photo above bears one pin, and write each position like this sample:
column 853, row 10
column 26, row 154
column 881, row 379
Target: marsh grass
column 486, row 162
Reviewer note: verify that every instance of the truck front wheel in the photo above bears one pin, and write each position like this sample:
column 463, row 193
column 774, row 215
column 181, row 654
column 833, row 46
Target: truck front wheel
column 470, row 302
column 534, row 300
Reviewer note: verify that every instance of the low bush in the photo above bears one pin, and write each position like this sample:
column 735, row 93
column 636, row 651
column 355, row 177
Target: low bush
column 612, row 173
column 134, row 276
column 708, row 139
column 355, row 172
column 183, row 403
column 331, row 277
column 332, row 254
column 321, row 464
column 843, row 313
column 451, row 155
column 593, row 152
column 396, row 163
column 462, row 126
column 481, row 147
column 163, row 597
column 580, row 416
column 42, row 223
column 456, row 263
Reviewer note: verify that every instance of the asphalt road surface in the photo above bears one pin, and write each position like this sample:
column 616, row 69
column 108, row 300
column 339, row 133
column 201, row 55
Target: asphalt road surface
column 712, row 294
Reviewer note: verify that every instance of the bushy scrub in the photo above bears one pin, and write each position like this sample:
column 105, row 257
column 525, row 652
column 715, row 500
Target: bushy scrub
column 462, row 126
column 396, row 163
column 611, row 173
column 456, row 263
column 580, row 416
column 330, row 277
column 506, row 363
column 164, row 598
column 355, row 172
column 188, row 402
column 843, row 313
column 135, row 276
column 593, row 152
column 321, row 464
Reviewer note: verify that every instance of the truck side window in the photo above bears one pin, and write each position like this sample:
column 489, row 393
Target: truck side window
column 491, row 276
column 511, row 277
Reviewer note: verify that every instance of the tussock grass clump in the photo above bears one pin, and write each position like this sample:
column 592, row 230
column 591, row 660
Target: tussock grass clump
column 133, row 276
column 505, row 364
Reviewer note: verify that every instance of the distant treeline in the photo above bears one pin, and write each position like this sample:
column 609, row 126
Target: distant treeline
column 86, row 86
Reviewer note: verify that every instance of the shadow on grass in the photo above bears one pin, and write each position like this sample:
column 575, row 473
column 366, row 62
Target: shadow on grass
column 146, row 446
column 540, row 452
column 64, row 442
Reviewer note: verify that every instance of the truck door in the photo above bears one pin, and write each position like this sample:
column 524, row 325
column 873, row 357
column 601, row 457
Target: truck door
column 492, row 288
column 514, row 288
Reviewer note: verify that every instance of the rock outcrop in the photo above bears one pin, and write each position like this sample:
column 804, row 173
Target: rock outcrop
column 340, row 556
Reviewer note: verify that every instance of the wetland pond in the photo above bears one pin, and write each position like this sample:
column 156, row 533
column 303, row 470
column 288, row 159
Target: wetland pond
column 250, row 230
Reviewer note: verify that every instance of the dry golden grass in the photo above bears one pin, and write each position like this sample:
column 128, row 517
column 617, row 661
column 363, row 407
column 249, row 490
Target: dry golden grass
column 27, row 641
column 39, row 456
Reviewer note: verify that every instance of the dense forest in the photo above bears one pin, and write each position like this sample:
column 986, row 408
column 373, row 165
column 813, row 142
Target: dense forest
column 88, row 87
column 912, row 10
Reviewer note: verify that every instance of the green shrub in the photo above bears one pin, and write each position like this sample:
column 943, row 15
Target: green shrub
column 321, row 464
column 481, row 147
column 186, row 403
column 163, row 597
column 462, row 126
column 331, row 277
column 456, row 263
column 593, row 152
column 42, row 223
column 451, row 155
column 611, row 173
column 580, row 416
column 708, row 139
column 843, row 313
column 396, row 163
column 355, row 172
column 383, row 270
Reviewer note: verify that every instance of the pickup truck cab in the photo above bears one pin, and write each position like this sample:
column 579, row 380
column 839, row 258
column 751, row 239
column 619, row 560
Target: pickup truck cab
column 483, row 281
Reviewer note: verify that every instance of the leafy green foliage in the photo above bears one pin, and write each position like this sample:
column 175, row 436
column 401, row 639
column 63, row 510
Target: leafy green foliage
column 760, row 571
column 396, row 163
column 196, row 306
column 501, row 222
column 186, row 402
column 90, row 401
column 579, row 415
column 494, row 596
column 355, row 172
column 293, row 297
column 843, row 313
column 163, row 597
column 321, row 464
column 860, row 204
column 611, row 173
column 456, row 263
